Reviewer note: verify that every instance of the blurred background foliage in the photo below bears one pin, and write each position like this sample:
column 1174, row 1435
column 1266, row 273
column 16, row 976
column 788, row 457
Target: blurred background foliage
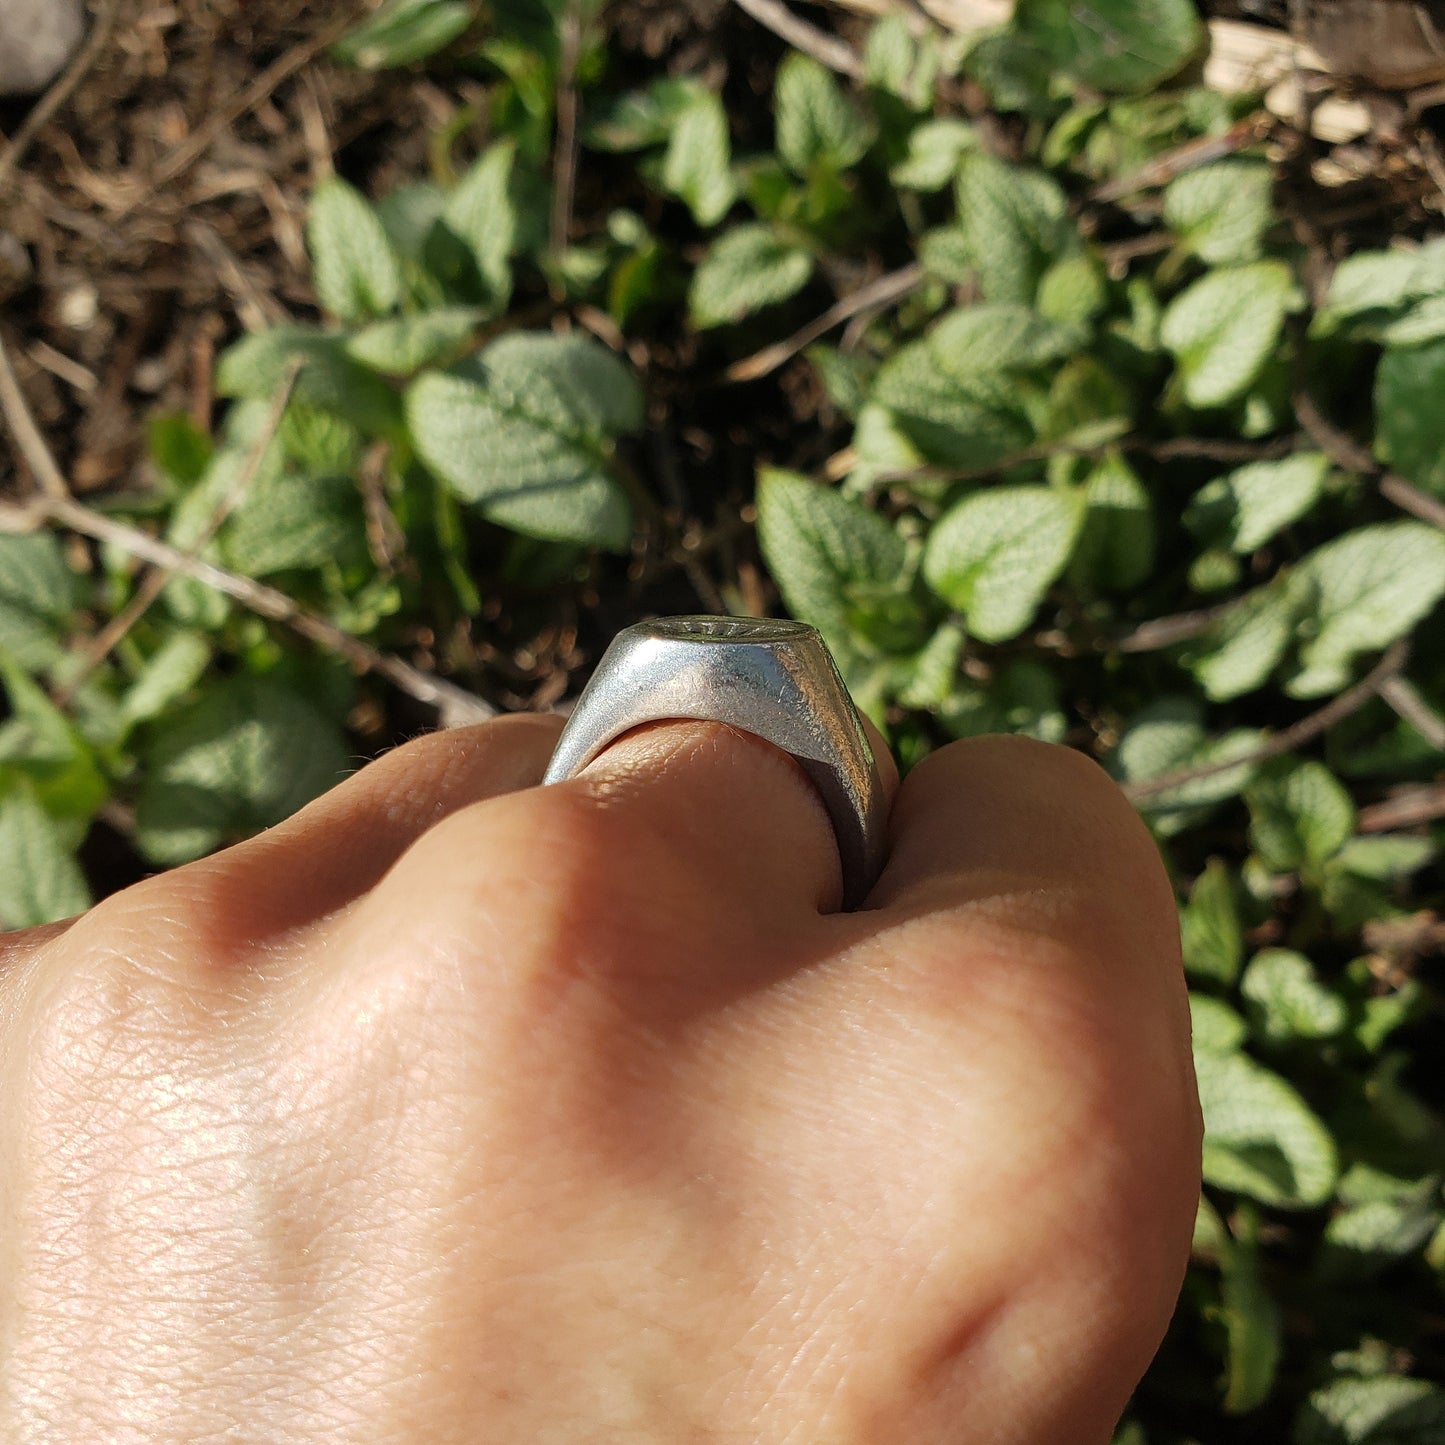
column 1067, row 394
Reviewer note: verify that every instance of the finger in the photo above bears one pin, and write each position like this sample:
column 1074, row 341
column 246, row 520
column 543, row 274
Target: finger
column 341, row 844
column 1026, row 919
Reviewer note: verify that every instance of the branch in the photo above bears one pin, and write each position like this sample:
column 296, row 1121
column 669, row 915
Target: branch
column 826, row 49
column 60, row 90
column 1166, row 631
column 1294, row 736
column 1187, row 157
column 1407, row 809
column 1345, row 452
column 1405, row 698
column 882, row 291
column 55, row 504
column 31, row 444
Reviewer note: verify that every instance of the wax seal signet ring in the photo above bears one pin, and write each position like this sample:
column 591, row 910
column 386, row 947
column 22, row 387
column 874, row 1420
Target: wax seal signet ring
column 775, row 679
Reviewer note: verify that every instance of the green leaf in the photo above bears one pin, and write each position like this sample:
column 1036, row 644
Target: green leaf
column 1210, row 931
column 296, row 519
column 1168, row 736
column 401, row 32
column 996, row 553
column 178, row 447
column 1114, row 45
column 1072, row 291
column 1244, row 646
column 38, row 592
column 169, row 673
column 697, row 165
column 985, row 340
column 41, row 742
column 253, row 368
column 1409, row 421
column 1221, row 211
column 1370, row 586
column 406, row 344
column 642, row 118
column 817, row 125
column 931, row 159
column 897, row 64
column 1214, row 1027
column 247, row 754
column 1385, row 858
column 1253, row 1324
column 821, row 547
column 1224, row 327
column 1015, row 223
column 1245, row 508
column 1022, row 698
column 1115, row 552
column 746, row 269
column 356, row 273
column 40, row 881
column 1378, row 1410
column 481, row 217
column 943, row 252
column 1287, row 1001
column 1299, row 815
column 844, row 375
column 525, row 430
column 1260, row 1137
column 1385, row 280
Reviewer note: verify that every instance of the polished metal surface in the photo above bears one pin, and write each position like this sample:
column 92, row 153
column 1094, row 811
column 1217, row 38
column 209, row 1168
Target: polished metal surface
column 774, row 679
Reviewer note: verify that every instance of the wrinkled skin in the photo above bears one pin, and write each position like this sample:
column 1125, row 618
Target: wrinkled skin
column 459, row 1109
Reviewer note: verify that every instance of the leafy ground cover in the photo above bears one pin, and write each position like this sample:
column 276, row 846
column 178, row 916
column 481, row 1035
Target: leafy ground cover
column 1053, row 386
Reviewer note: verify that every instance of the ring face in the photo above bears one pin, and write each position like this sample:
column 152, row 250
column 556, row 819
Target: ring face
column 770, row 677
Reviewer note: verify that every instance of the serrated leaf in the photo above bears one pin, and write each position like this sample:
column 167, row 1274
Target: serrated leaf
column 1221, row 211
column 525, row 430
column 1385, row 280
column 1260, row 1137
column 406, row 344
column 1254, row 1326
column 1015, row 222
column 1370, row 586
column 1385, row 858
column 984, row 340
column 401, row 32
column 247, row 754
column 480, row 216
column 1168, row 736
column 295, row 519
column 954, row 422
column 1244, row 508
column 37, row 594
column 845, row 376
column 931, row 157
column 1243, row 647
column 44, row 744
column 931, row 673
column 898, row 64
column 1287, row 1001
column 1214, row 1027
column 817, row 125
column 1424, row 321
column 1022, row 698
column 943, row 252
column 1210, row 930
column 820, row 546
column 1072, row 291
column 1116, row 545
column 1224, row 327
column 996, row 553
column 642, row 118
column 1114, row 45
column 40, row 881
column 1409, row 420
column 356, row 273
column 1376, row 1410
column 1299, row 815
column 697, row 165
column 745, row 269
column 254, row 367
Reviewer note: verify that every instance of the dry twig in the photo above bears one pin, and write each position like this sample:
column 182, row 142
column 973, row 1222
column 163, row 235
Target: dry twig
column 564, row 165
column 1187, row 157
column 28, row 441
column 882, row 291
column 1407, row 809
column 1405, row 698
column 1294, row 736
column 826, row 49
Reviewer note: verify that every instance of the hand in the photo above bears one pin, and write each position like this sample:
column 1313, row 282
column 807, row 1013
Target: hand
column 458, row 1109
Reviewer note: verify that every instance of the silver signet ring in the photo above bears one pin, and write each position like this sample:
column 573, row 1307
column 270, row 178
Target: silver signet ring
column 774, row 679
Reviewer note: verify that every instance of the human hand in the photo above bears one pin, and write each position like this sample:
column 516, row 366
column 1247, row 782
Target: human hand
column 457, row 1109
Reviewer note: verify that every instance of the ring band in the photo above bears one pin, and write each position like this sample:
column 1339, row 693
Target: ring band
column 772, row 678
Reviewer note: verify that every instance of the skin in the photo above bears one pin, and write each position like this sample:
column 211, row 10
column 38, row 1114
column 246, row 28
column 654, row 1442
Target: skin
column 458, row 1109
